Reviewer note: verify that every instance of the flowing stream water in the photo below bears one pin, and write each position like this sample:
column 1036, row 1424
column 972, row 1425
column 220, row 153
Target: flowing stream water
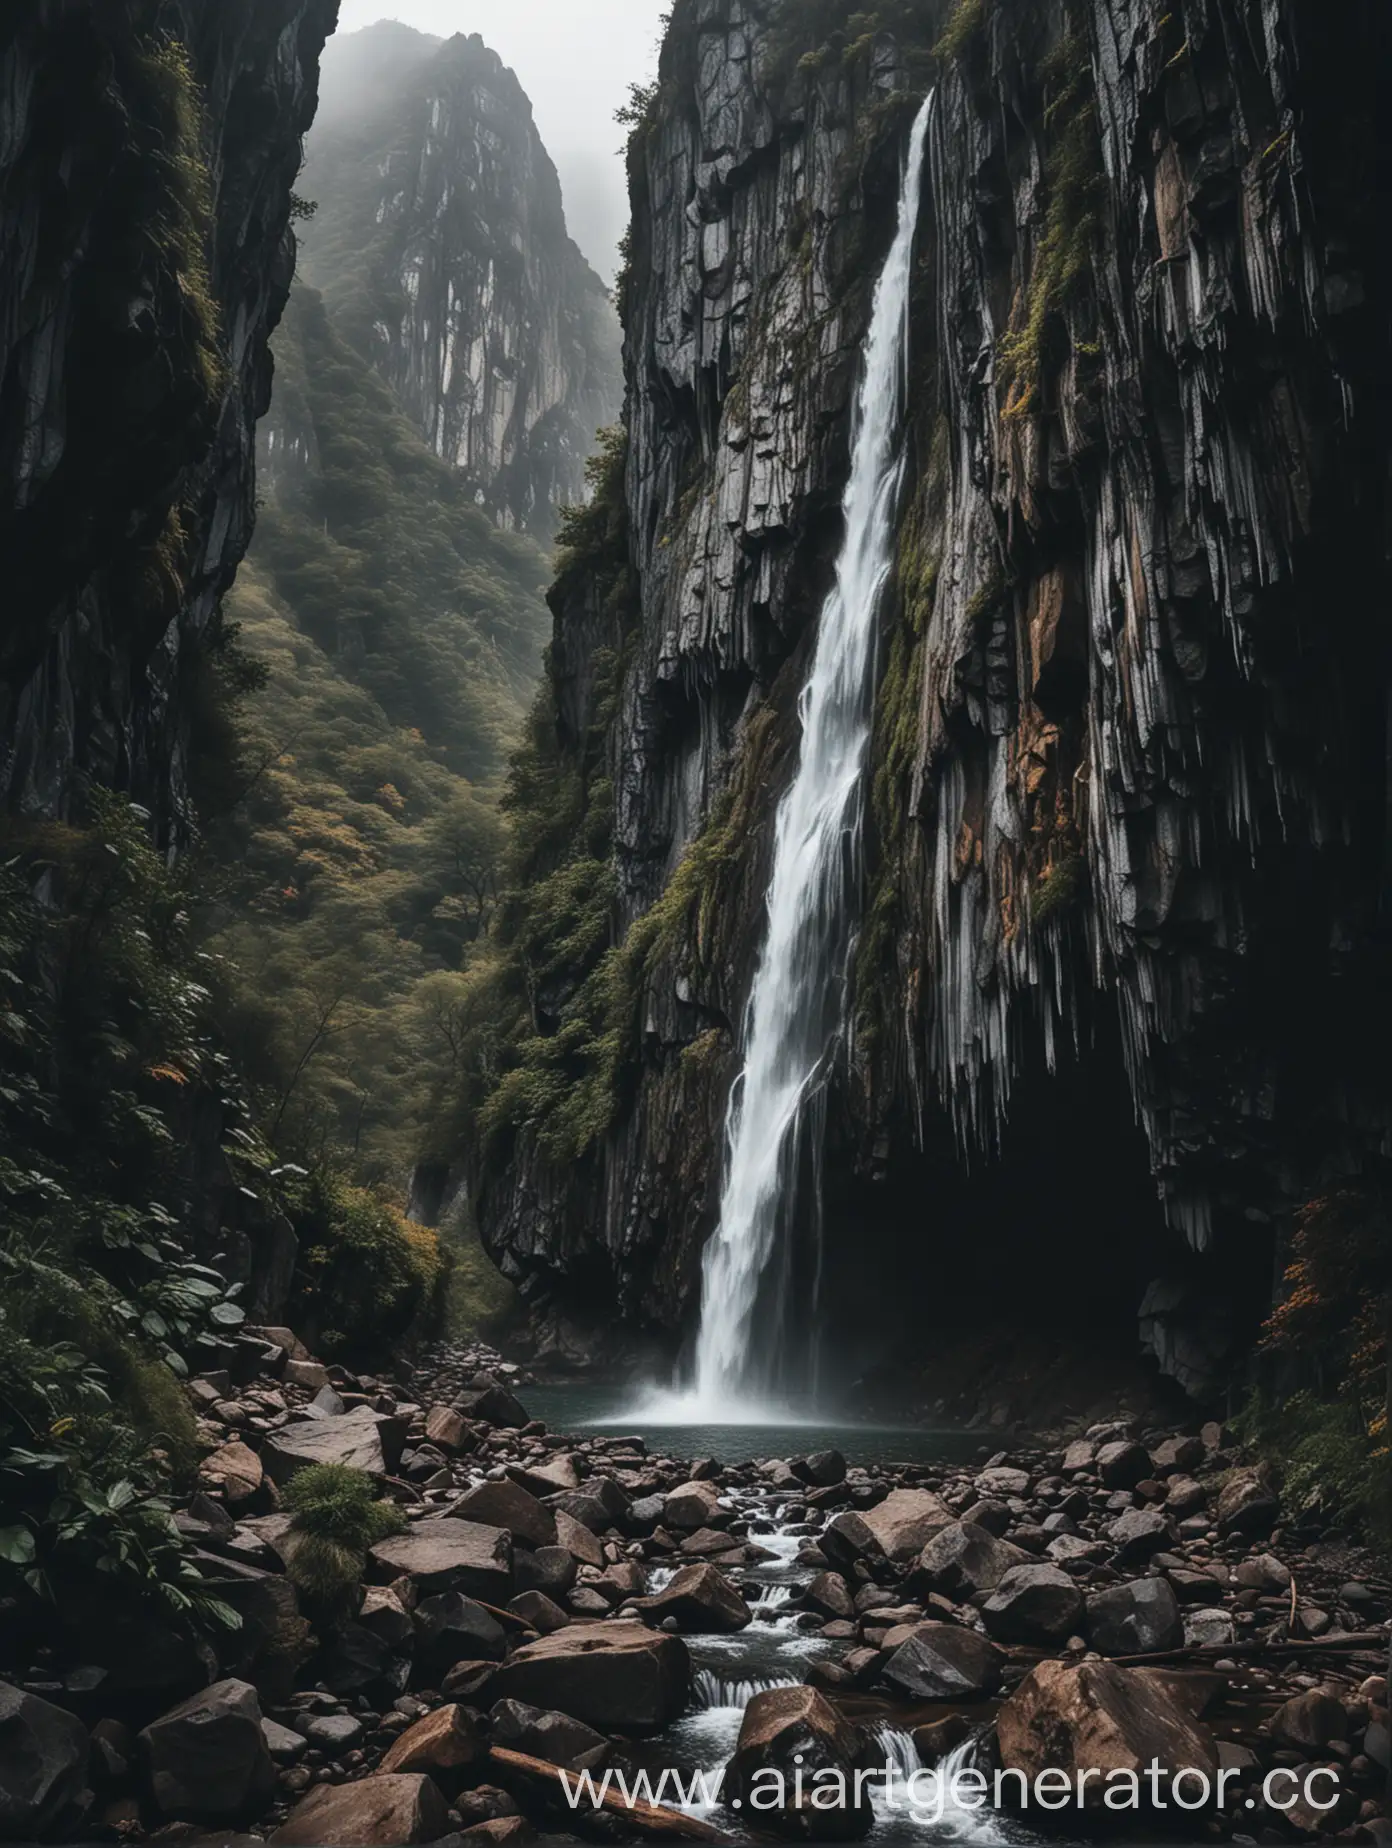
column 796, row 1007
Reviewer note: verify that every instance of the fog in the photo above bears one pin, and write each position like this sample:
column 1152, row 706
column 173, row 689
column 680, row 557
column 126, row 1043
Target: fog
column 576, row 60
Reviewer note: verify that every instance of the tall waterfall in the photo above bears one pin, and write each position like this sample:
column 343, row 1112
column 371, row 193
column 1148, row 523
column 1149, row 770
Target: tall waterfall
column 797, row 1004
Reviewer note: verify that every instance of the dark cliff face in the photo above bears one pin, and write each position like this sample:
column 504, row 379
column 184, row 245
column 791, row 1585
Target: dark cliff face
column 1125, row 848
column 441, row 248
column 147, row 152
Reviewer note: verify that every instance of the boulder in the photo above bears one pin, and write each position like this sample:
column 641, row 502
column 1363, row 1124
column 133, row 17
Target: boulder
column 1034, row 1604
column 577, row 1539
column 1002, row 1482
column 610, row 1675
column 451, row 1628
column 207, row 1759
column 1177, row 1454
column 507, row 1504
column 354, row 1438
column 693, row 1505
column 828, row 1594
column 450, row 1555
column 700, row 1598
column 550, row 1569
column 1139, row 1534
column 1247, row 1504
column 543, row 1614
column 544, row 1733
column 1079, row 1456
column 1184, row 1496
column 945, row 1661
column 1122, row 1465
column 446, row 1428
column 392, row 1811
column 333, row 1733
column 1310, row 1722
column 790, row 1731
column 235, row 1469
column 1264, row 1572
column 1208, row 1628
column 493, row 1405
column 443, row 1741
column 964, row 1559
column 384, row 1616
column 1100, row 1718
column 43, row 1767
column 906, row 1520
column 556, row 1476
column 823, row 1468
column 848, row 1537
column 1134, row 1619
column 582, row 1510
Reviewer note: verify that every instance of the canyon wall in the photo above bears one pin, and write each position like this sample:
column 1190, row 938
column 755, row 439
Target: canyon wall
column 440, row 245
column 147, row 155
column 1125, row 834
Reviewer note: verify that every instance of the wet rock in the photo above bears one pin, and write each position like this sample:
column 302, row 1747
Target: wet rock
column 823, row 1468
column 964, row 1559
column 693, row 1505
column 906, row 1520
column 442, row 1742
column 790, row 1730
column 207, row 1758
column 846, row 1538
column 544, row 1733
column 507, row 1504
column 827, row 1592
column 1034, row 1604
column 945, row 1661
column 385, row 1811
column 701, row 1599
column 43, row 1767
column 610, row 1675
column 285, row 1746
column 446, row 1554
column 1098, row 1717
column 335, row 1733
column 1134, row 1619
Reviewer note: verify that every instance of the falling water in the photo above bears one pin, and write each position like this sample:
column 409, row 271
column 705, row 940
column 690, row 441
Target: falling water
column 796, row 1007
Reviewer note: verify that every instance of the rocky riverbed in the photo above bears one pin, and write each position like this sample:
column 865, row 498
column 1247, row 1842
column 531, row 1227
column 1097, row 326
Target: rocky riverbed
column 578, row 1603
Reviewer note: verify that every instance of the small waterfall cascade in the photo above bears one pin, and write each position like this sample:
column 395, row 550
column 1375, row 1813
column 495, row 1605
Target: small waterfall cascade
column 796, row 1007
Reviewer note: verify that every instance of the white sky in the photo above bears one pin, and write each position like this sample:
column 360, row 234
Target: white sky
column 576, row 60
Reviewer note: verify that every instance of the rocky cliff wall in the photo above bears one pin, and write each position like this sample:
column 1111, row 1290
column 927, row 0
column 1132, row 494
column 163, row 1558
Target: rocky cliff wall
column 441, row 247
column 147, row 154
column 1126, row 833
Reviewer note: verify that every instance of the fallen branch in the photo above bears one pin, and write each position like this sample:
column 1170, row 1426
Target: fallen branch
column 649, row 1817
column 1208, row 1652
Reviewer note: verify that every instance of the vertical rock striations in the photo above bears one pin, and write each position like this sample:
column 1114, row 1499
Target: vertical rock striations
column 147, row 154
column 1128, row 787
column 441, row 248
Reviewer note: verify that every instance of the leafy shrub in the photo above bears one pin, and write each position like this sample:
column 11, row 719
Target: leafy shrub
column 367, row 1275
column 1331, row 1465
column 336, row 1517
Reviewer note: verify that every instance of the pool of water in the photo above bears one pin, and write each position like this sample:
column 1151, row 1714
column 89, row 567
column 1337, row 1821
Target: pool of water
column 790, row 1432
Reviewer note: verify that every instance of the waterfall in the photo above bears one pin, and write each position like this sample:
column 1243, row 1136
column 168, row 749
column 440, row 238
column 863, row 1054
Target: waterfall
column 797, row 1003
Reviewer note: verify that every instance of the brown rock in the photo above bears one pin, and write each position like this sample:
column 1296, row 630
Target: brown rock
column 611, row 1674
column 445, row 1740
column 507, row 1504
column 945, row 1661
column 445, row 1427
column 392, row 1811
column 964, row 1559
column 1247, row 1504
column 234, row 1469
column 693, row 1505
column 700, row 1598
column 353, row 1438
column 1309, row 1721
column 577, row 1540
column 906, row 1520
column 450, row 1555
column 790, row 1730
column 1098, row 1716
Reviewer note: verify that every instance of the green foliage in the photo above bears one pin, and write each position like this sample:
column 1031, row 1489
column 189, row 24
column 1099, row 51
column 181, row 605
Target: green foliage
column 1060, row 889
column 1074, row 181
column 169, row 127
column 336, row 1517
column 105, row 1045
column 1330, row 1464
column 964, row 31
column 366, row 1273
